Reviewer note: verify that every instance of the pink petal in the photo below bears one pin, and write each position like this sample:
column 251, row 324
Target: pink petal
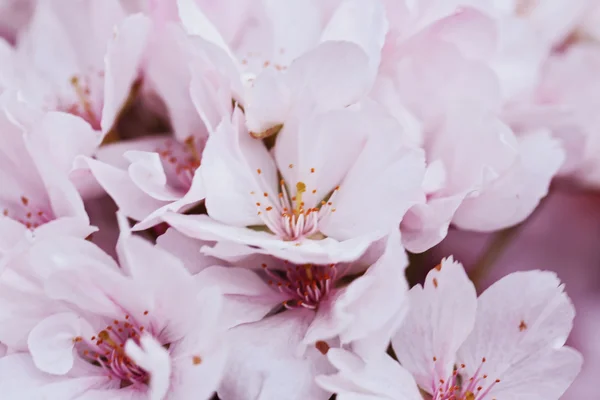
column 147, row 173
column 134, row 202
column 66, row 137
column 512, row 197
column 154, row 358
column 122, row 64
column 51, row 342
column 187, row 250
column 383, row 183
column 379, row 378
column 265, row 363
column 196, row 23
column 441, row 317
column 426, row 225
column 168, row 74
column 333, row 75
column 230, row 167
column 312, row 149
column 267, row 102
column 247, row 298
column 27, row 382
column 371, row 331
column 362, row 22
column 522, row 336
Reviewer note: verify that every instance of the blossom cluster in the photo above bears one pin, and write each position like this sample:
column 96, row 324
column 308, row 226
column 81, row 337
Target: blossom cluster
column 205, row 198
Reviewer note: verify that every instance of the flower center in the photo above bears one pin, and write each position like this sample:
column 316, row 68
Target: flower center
column 306, row 285
column 107, row 350
column 27, row 214
column 461, row 387
column 292, row 217
column 83, row 106
column 180, row 162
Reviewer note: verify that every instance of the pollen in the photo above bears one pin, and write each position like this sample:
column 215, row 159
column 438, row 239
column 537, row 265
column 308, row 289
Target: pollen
column 522, row 326
column 322, row 346
column 196, row 360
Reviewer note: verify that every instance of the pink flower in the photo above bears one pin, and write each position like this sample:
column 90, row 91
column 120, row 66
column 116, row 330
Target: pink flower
column 285, row 317
column 149, row 176
column 568, row 251
column 152, row 174
column 564, row 103
column 307, row 199
column 480, row 175
column 38, row 199
column 509, row 343
column 64, row 61
column 69, row 77
column 276, row 72
column 101, row 330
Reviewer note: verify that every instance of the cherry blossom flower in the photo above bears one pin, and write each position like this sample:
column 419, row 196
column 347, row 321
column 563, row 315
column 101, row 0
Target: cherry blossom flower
column 274, row 72
column 308, row 200
column 152, row 174
column 138, row 330
column 563, row 102
column 149, row 176
column 69, row 78
column 509, row 343
column 38, row 199
column 285, row 317
column 480, row 175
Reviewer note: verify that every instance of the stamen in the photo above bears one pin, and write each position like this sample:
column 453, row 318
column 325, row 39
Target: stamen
column 461, row 387
column 84, row 100
column 106, row 350
column 306, row 285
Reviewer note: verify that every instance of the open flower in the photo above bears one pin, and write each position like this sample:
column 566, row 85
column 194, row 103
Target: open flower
column 38, row 199
column 70, row 77
column 101, row 330
column 509, row 343
column 153, row 173
column 285, row 317
column 308, row 199
column 282, row 58
column 481, row 175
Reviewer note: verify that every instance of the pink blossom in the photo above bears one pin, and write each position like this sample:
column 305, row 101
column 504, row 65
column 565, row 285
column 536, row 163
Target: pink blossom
column 69, row 78
column 149, row 176
column 103, row 330
column 324, row 62
column 153, row 174
column 58, row 64
column 509, row 343
column 38, row 199
column 480, row 175
column 328, row 203
column 561, row 235
column 564, row 102
column 285, row 317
